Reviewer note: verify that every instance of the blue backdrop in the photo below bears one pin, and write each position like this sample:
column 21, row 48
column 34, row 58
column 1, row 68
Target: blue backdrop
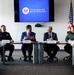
column 34, row 10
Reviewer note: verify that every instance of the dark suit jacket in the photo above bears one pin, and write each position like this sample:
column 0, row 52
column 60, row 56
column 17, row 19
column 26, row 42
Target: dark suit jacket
column 46, row 36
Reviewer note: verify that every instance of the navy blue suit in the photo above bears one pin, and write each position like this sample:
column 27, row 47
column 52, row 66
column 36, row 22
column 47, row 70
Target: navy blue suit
column 28, row 47
column 48, row 48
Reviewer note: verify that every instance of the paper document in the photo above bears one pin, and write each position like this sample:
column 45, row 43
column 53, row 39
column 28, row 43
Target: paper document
column 26, row 41
column 5, row 41
column 51, row 41
column 71, row 42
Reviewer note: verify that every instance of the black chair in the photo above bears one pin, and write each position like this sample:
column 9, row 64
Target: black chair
column 54, row 59
column 47, row 58
column 68, row 49
column 68, row 58
column 6, row 56
column 23, row 57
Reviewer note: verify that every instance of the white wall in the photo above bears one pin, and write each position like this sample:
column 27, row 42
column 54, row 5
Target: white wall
column 15, row 29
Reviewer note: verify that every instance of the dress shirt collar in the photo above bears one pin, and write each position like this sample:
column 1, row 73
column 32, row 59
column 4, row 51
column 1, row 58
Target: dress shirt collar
column 50, row 34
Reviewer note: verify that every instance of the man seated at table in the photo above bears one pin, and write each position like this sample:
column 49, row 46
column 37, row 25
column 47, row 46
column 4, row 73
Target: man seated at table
column 27, row 35
column 50, row 49
column 4, row 35
column 69, row 38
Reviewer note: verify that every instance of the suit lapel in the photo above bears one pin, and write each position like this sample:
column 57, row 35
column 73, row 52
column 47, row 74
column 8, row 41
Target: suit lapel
column 25, row 33
column 31, row 34
column 47, row 36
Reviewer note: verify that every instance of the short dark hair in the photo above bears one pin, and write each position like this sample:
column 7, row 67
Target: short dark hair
column 2, row 26
column 28, row 26
column 72, row 27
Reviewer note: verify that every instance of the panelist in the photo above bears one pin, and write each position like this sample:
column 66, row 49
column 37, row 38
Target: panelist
column 4, row 35
column 69, row 38
column 27, row 35
column 50, row 49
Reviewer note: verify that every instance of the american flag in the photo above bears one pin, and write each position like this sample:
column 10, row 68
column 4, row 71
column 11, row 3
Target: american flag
column 70, row 23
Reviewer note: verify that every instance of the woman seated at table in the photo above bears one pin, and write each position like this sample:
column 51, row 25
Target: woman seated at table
column 69, row 38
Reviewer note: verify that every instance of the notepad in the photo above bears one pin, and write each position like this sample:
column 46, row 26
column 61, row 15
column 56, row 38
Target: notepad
column 51, row 41
column 5, row 41
column 26, row 41
column 71, row 43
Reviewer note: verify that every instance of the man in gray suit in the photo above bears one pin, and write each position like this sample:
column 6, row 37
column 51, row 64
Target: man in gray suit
column 50, row 49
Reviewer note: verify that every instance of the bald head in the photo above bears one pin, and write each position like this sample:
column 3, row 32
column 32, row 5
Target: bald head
column 49, row 29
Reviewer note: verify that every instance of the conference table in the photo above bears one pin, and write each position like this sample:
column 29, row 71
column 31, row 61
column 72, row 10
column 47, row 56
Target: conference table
column 41, row 50
column 38, row 51
column 35, row 50
column 2, row 45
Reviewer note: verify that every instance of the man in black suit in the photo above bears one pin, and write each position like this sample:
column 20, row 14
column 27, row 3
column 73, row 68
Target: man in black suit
column 27, row 35
column 50, row 49
column 4, row 35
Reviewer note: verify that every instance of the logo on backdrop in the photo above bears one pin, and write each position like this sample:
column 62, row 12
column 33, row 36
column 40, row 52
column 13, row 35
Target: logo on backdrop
column 25, row 10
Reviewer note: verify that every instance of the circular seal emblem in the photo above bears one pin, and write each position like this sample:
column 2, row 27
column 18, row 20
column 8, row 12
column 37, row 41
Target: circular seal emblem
column 25, row 10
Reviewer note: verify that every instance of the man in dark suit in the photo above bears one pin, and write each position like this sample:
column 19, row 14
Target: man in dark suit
column 50, row 49
column 27, row 35
column 6, row 36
